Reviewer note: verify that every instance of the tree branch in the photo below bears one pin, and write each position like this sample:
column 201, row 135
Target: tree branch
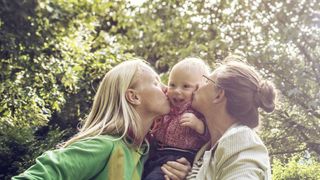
column 310, row 59
column 288, row 152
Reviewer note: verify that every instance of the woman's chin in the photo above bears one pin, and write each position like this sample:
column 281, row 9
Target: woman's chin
column 194, row 105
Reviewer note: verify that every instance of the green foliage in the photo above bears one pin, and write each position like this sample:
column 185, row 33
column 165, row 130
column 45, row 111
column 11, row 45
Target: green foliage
column 53, row 54
column 280, row 38
column 35, row 148
column 296, row 169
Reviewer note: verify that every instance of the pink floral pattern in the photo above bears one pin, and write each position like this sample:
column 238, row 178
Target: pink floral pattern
column 168, row 131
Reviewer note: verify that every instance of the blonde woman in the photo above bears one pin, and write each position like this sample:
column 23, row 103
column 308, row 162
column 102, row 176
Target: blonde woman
column 230, row 101
column 111, row 143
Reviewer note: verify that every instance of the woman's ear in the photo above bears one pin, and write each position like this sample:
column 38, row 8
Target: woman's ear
column 133, row 97
column 220, row 96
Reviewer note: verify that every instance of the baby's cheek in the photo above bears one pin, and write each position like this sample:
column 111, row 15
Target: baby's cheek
column 189, row 95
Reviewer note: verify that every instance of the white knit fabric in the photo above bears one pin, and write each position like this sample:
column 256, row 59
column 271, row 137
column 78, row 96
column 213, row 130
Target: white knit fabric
column 240, row 154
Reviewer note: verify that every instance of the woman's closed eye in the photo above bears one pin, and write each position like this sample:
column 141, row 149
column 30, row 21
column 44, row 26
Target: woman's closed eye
column 187, row 86
column 172, row 85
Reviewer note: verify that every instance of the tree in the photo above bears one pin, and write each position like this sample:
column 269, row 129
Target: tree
column 54, row 53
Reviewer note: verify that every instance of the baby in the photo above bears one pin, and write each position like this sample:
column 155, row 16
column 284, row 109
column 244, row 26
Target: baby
column 182, row 132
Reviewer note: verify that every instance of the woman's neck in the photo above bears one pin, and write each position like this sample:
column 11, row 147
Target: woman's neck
column 146, row 126
column 218, row 124
column 146, row 119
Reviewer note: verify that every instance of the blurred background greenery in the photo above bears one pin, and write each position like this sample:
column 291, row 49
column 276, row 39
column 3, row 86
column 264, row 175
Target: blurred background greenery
column 53, row 54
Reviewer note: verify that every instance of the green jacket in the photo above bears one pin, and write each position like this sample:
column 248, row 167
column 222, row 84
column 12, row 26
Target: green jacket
column 102, row 157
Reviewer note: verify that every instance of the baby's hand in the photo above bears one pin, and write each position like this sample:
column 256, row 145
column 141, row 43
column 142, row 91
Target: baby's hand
column 190, row 120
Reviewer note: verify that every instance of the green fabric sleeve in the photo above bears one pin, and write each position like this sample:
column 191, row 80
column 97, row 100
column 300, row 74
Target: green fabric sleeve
column 81, row 160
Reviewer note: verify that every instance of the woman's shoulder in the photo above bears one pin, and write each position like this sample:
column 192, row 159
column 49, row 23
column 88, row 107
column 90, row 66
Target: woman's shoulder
column 240, row 137
column 107, row 138
column 239, row 131
column 97, row 142
column 241, row 145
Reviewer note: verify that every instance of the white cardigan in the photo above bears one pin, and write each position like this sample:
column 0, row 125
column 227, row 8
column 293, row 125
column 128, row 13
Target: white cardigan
column 240, row 154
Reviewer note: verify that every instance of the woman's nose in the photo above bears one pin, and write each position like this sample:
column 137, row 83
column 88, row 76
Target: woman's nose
column 197, row 87
column 164, row 88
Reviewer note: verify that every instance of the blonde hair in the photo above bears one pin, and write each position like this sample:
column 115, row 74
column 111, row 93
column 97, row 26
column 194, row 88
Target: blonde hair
column 193, row 64
column 111, row 114
column 245, row 91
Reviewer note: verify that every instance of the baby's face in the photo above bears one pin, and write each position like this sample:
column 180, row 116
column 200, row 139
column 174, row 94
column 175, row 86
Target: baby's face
column 182, row 84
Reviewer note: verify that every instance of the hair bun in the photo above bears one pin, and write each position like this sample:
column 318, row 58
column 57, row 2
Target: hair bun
column 265, row 96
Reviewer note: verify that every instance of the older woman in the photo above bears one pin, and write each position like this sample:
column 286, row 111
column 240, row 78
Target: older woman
column 111, row 144
column 230, row 101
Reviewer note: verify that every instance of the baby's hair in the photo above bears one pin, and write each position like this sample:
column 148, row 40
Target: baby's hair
column 193, row 64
